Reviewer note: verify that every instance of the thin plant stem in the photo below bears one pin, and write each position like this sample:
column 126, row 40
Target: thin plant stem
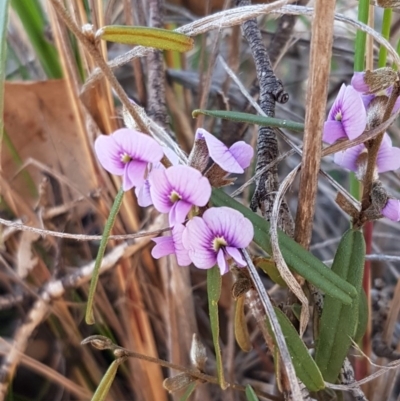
column 361, row 37
column 386, row 22
column 89, row 318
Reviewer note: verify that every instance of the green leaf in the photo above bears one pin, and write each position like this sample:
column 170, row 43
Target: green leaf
column 297, row 258
column 89, row 318
column 250, row 394
column 151, row 37
column 363, row 313
column 268, row 266
column 106, row 382
column 188, row 392
column 31, row 15
column 338, row 321
column 214, row 282
column 3, row 55
column 250, row 118
column 306, row 368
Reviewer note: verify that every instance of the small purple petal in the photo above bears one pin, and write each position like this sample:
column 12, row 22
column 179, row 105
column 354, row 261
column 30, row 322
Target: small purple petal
column 143, row 194
column 222, row 263
column 236, row 255
column 160, row 190
column 138, row 146
column 219, row 152
column 348, row 158
column 392, row 210
column 243, row 153
column 367, row 99
column 388, row 156
column 354, row 116
column 189, row 184
column 164, row 246
column 171, row 155
column 178, row 212
column 337, row 104
column 182, row 255
column 109, row 154
column 358, row 83
column 230, row 224
column 333, row 130
column 133, row 174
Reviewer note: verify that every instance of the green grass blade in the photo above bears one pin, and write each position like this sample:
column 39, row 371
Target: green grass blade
column 3, row 54
column 214, row 282
column 250, row 394
column 89, row 318
column 251, row 119
column 338, row 321
column 306, row 368
column 188, row 392
column 297, row 258
column 31, row 16
column 106, row 382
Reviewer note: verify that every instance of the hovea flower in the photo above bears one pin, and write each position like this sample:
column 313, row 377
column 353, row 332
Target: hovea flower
column 388, row 157
column 234, row 159
column 347, row 118
column 176, row 189
column 127, row 152
column 216, row 237
column 172, row 244
column 143, row 191
column 392, row 210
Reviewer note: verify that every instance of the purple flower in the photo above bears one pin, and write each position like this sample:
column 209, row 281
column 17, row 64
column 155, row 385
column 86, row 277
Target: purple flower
column 388, row 156
column 358, row 83
column 392, row 210
column 217, row 236
column 176, row 189
column 347, row 117
column 127, row 152
column 232, row 160
column 172, row 245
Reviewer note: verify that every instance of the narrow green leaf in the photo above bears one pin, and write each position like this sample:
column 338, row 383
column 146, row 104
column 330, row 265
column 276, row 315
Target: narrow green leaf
column 338, row 321
column 241, row 330
column 89, row 318
column 363, row 314
column 106, row 382
column 214, row 282
column 151, row 37
column 297, row 258
column 306, row 368
column 251, row 119
column 3, row 55
column 268, row 266
column 31, row 15
column 250, row 394
column 188, row 392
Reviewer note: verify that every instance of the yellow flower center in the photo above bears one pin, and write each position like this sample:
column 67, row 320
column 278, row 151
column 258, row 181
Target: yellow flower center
column 125, row 158
column 338, row 116
column 174, row 197
column 218, row 242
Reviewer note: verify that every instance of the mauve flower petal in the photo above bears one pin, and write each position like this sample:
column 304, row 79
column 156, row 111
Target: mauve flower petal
column 197, row 235
column 333, row 130
column 396, row 106
column 220, row 153
column 354, row 116
column 243, row 153
column 189, row 184
column 143, row 194
column 222, row 263
column 357, row 82
column 139, row 146
column 178, row 212
column 236, row 255
column 164, row 246
column 230, row 224
column 109, row 154
column 171, row 155
column 392, row 210
column 348, row 158
column 182, row 255
column 337, row 104
column 160, row 190
column 388, row 156
column 133, row 174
